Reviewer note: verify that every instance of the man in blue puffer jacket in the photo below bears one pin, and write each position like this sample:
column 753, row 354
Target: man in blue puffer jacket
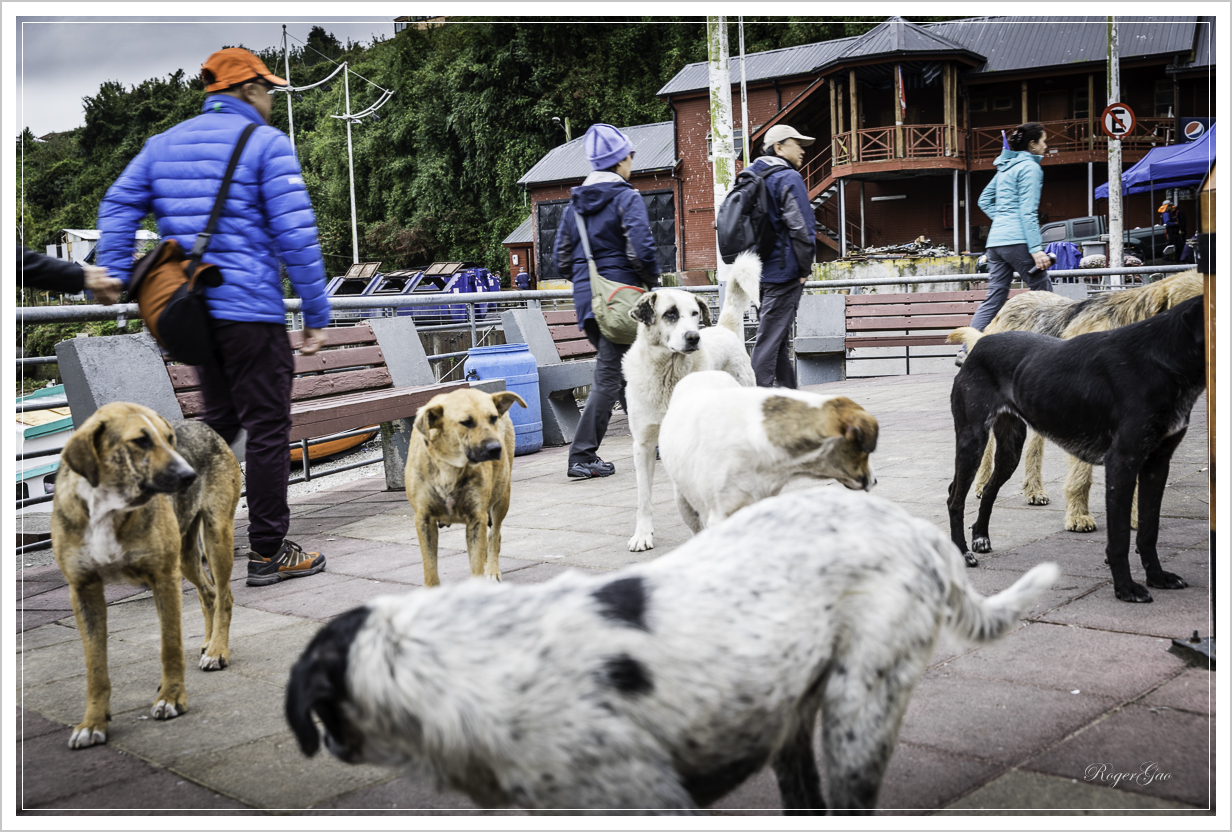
column 791, row 262
column 623, row 247
column 267, row 223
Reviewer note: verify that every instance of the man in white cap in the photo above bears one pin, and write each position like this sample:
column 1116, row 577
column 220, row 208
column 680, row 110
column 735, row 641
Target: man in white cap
column 791, row 262
column 623, row 247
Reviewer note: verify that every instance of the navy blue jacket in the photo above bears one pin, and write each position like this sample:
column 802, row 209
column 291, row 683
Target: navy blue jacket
column 793, row 219
column 266, row 220
column 620, row 238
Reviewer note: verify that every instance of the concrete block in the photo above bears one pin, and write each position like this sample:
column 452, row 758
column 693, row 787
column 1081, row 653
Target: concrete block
column 526, row 326
column 556, row 378
column 821, row 327
column 404, row 353
column 1074, row 291
column 115, row 368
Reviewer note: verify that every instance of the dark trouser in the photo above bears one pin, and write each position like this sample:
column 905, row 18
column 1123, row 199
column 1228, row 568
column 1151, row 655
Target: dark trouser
column 249, row 386
column 1003, row 261
column 772, row 353
column 608, row 386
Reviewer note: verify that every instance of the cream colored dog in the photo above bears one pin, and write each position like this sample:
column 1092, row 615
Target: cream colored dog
column 458, row 471
column 140, row 501
column 726, row 446
column 674, row 340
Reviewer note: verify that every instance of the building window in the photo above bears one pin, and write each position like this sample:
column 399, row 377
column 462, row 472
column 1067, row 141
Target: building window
column 1163, row 99
column 978, row 105
column 737, row 143
column 1082, row 104
column 399, row 26
column 1003, row 102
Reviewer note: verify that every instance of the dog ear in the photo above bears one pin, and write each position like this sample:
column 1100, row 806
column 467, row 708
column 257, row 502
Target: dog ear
column 860, row 428
column 318, row 678
column 504, row 400
column 81, row 454
column 705, row 310
column 644, row 310
column 430, row 419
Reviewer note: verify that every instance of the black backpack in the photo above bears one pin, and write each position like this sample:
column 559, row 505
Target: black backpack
column 745, row 218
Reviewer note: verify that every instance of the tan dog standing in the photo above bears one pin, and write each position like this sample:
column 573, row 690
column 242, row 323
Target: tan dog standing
column 458, row 470
column 140, row 501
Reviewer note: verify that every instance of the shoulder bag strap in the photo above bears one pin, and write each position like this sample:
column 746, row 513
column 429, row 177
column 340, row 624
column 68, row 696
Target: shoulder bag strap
column 582, row 233
column 203, row 239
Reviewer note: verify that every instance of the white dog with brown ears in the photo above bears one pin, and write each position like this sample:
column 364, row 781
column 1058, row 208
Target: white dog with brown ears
column 674, row 339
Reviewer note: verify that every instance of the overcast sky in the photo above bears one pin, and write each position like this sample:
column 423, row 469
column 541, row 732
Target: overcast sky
column 59, row 61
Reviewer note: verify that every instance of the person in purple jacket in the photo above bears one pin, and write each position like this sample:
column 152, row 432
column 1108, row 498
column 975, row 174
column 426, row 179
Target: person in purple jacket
column 267, row 225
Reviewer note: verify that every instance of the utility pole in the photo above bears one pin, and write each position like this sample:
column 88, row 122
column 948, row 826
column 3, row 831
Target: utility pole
column 744, row 98
column 722, row 151
column 1116, row 214
column 346, row 80
column 286, row 60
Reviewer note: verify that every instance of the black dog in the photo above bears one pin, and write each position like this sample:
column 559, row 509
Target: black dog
column 1120, row 399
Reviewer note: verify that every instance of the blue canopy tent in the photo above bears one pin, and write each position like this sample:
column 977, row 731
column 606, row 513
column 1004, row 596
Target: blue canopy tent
column 1173, row 166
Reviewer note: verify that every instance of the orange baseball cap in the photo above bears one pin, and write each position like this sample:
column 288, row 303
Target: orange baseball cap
column 228, row 67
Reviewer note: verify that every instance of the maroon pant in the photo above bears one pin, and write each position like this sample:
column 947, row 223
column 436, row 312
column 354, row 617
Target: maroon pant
column 249, row 386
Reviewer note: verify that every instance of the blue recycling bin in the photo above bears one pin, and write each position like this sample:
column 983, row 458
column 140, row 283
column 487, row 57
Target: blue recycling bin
column 515, row 364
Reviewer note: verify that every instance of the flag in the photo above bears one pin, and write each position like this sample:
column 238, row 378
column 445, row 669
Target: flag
column 902, row 96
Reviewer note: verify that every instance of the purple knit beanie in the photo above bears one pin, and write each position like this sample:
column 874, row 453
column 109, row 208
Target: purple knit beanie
column 605, row 146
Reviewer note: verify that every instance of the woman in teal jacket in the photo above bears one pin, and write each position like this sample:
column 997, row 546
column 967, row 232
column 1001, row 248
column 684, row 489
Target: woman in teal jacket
column 1012, row 201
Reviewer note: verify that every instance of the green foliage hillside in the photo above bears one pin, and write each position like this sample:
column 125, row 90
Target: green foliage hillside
column 435, row 176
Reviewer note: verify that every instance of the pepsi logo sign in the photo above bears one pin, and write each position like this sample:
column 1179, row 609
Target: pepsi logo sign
column 1194, row 130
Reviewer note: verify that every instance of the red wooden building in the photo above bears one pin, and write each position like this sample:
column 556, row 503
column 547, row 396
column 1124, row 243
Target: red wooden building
column 895, row 172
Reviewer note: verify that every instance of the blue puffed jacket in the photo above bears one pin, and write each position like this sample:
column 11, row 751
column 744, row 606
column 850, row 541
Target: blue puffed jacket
column 794, row 224
column 267, row 218
column 1011, row 200
column 620, row 238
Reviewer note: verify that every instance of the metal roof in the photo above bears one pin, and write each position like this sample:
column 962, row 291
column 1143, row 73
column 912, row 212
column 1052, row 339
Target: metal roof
column 653, row 145
column 1203, row 47
column 1006, row 43
column 1026, row 43
column 901, row 37
column 763, row 66
column 521, row 234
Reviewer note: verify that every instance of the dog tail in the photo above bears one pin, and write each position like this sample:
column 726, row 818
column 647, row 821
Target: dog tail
column 743, row 279
column 979, row 619
column 966, row 335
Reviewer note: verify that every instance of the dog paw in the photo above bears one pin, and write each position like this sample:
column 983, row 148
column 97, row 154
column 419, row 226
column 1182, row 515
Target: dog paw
column 1166, row 580
column 1080, row 523
column 493, row 576
column 1136, row 593
column 1039, row 498
column 970, row 559
column 981, row 545
column 979, row 492
column 640, row 542
column 209, row 662
column 167, row 710
column 84, row 736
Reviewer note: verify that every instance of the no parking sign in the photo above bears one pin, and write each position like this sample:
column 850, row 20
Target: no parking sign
column 1117, row 120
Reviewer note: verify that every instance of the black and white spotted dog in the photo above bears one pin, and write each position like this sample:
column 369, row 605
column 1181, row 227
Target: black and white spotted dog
column 664, row 686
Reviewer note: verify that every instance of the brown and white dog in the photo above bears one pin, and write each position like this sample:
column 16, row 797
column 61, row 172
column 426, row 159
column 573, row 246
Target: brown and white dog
column 1051, row 314
column 141, row 501
column 726, row 446
column 458, row 470
column 674, row 340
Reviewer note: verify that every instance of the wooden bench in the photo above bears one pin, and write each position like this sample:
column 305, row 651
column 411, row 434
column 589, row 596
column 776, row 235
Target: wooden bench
column 915, row 319
column 375, row 373
column 565, row 360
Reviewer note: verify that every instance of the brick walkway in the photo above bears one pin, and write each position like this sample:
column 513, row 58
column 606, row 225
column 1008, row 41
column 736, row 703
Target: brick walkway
column 1014, row 727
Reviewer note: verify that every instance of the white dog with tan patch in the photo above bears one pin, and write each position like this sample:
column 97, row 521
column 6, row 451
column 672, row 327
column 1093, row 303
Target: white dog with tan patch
column 726, row 446
column 674, row 340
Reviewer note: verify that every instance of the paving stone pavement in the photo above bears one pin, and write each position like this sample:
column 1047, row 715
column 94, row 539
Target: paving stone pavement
column 1085, row 688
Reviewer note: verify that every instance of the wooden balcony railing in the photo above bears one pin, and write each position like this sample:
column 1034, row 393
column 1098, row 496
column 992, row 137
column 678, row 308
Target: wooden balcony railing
column 817, row 169
column 910, row 141
column 1076, row 135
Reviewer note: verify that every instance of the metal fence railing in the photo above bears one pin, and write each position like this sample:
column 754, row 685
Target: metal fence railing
column 476, row 316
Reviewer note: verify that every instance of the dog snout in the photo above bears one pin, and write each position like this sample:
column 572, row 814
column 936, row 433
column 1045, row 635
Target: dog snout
column 692, row 340
column 485, row 451
column 185, row 476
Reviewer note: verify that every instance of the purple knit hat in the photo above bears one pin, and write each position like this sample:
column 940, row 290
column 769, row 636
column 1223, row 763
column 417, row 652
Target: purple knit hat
column 605, row 146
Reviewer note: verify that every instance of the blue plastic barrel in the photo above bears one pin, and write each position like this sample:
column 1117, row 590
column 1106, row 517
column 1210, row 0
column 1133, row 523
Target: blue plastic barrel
column 515, row 364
